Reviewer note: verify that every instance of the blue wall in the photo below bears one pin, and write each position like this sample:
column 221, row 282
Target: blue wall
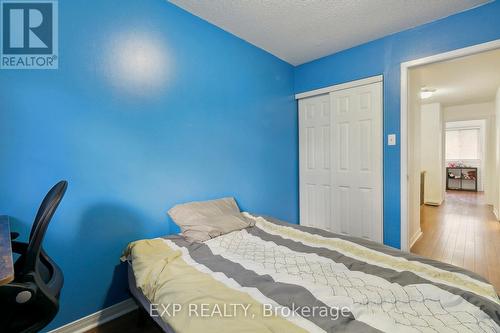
column 384, row 56
column 214, row 116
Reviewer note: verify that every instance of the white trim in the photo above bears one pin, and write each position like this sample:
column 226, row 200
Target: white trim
column 432, row 203
column 342, row 86
column 405, row 66
column 405, row 178
column 415, row 238
column 466, row 51
column 98, row 318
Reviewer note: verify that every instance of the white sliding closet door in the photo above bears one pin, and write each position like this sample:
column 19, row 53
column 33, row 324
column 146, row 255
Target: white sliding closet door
column 357, row 162
column 315, row 161
column 340, row 148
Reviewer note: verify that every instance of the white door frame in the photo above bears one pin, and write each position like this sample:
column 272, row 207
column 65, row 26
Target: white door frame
column 341, row 86
column 405, row 67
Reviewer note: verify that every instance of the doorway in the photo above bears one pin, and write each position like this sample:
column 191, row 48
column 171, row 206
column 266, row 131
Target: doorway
column 453, row 159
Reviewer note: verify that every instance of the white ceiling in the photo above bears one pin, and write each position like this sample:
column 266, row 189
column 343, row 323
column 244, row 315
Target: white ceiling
column 299, row 31
column 467, row 80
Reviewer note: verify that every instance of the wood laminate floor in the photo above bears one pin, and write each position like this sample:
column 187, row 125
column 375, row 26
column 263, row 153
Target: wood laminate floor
column 462, row 231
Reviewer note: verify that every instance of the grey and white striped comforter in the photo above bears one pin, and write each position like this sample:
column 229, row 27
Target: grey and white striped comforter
column 296, row 267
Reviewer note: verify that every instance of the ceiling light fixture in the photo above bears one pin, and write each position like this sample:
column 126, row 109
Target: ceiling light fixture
column 426, row 93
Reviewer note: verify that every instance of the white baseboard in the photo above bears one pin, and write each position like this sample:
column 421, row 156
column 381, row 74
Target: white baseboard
column 433, row 203
column 415, row 238
column 98, row 318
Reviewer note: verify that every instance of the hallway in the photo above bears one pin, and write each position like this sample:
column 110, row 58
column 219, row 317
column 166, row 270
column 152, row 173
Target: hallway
column 462, row 231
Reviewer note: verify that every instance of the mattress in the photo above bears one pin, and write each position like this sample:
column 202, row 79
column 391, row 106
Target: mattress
column 143, row 301
column 279, row 277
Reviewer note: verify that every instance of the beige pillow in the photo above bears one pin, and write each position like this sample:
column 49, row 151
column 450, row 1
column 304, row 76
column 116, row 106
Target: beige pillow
column 200, row 221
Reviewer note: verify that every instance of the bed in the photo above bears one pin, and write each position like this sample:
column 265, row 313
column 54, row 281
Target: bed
column 279, row 277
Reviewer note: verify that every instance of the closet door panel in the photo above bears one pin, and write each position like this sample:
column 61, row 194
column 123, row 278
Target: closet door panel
column 357, row 163
column 315, row 161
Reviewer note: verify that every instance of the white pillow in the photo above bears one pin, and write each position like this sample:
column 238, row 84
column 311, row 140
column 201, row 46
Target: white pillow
column 200, row 221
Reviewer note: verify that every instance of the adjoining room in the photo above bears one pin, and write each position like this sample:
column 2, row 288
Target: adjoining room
column 454, row 149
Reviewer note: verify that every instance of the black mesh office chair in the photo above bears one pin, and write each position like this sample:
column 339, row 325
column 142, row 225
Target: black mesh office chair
column 31, row 301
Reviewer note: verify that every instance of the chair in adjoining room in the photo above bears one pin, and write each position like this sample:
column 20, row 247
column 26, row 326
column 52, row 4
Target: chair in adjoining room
column 31, row 300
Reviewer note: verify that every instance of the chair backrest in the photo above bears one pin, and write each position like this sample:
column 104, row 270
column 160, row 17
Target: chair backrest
column 42, row 220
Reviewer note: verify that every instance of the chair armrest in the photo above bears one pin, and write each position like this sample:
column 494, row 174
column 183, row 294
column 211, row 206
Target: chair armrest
column 54, row 285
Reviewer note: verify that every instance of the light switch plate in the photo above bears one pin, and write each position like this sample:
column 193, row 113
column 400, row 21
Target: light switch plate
column 391, row 140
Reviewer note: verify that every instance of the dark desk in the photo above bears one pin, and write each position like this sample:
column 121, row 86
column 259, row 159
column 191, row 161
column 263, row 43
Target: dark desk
column 6, row 265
